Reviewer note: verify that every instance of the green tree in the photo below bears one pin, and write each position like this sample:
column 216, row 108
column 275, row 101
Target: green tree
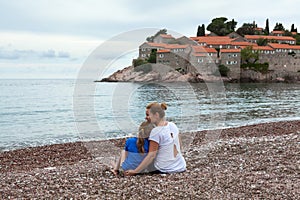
column 287, row 33
column 297, row 37
column 223, row 70
column 152, row 57
column 151, row 38
column 220, row 27
column 201, row 30
column 267, row 29
column 138, row 62
column 246, row 29
column 249, row 56
column 293, row 29
column 231, row 25
column 262, row 42
column 278, row 27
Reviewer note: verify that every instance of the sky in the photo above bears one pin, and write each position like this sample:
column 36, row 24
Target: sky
column 54, row 38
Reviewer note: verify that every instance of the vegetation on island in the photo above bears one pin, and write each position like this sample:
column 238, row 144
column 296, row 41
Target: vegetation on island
column 222, row 70
column 220, row 26
column 150, row 38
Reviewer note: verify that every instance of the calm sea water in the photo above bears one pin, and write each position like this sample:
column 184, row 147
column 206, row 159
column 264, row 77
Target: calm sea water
column 39, row 112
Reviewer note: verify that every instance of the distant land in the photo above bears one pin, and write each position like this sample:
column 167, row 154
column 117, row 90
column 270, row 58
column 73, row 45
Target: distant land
column 248, row 54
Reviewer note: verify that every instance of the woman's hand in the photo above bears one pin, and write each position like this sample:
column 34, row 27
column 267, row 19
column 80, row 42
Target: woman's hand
column 130, row 173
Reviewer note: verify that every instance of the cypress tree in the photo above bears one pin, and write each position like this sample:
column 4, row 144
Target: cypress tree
column 293, row 29
column 199, row 31
column 267, row 29
column 203, row 30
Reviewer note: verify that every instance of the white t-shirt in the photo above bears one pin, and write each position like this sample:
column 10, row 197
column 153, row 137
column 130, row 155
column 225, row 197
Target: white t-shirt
column 166, row 159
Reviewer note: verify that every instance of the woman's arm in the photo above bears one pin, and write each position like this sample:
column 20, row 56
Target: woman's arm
column 153, row 147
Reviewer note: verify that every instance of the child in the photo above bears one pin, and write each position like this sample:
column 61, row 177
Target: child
column 135, row 150
column 164, row 145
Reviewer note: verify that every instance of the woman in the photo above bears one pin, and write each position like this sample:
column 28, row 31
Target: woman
column 135, row 150
column 164, row 145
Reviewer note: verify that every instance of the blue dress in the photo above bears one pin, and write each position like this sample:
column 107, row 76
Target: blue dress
column 134, row 158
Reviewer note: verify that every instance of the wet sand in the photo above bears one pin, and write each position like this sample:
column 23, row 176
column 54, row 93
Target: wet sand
column 255, row 161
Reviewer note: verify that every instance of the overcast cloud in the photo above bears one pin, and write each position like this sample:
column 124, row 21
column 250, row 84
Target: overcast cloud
column 63, row 33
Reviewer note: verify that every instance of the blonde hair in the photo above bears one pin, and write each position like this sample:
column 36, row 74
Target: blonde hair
column 149, row 105
column 144, row 132
column 158, row 108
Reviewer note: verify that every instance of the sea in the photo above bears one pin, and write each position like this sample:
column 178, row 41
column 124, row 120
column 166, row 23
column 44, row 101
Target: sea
column 41, row 112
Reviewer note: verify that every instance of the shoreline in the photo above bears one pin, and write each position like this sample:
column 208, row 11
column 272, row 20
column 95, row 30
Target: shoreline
column 124, row 137
column 252, row 161
column 130, row 74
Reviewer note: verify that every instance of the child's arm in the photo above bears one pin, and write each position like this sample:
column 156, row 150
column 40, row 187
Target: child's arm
column 120, row 160
column 153, row 147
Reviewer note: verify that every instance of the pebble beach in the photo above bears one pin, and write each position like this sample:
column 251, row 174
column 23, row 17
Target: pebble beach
column 260, row 161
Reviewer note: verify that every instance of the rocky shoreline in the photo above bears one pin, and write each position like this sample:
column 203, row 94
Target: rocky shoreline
column 255, row 161
column 157, row 74
column 129, row 74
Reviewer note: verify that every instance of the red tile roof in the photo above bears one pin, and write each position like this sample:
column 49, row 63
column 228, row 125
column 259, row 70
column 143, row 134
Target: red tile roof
column 277, row 32
column 295, row 47
column 152, row 44
column 213, row 40
column 167, row 46
column 210, row 50
column 201, row 49
column 263, row 48
column 166, row 36
column 176, row 46
column 284, row 46
column 243, row 43
column 269, row 37
column 163, row 51
column 230, row 50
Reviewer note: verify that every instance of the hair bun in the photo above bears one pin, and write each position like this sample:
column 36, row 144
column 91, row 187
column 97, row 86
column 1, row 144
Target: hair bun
column 163, row 106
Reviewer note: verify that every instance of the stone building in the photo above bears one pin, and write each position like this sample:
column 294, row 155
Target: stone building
column 203, row 60
column 204, row 54
column 163, row 38
column 147, row 47
column 281, row 57
column 231, row 58
column 175, row 56
column 279, row 39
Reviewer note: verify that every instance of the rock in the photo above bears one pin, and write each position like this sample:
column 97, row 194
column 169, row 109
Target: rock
column 159, row 73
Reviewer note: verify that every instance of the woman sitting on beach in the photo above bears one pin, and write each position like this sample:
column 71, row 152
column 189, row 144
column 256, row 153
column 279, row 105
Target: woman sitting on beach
column 135, row 150
column 164, row 145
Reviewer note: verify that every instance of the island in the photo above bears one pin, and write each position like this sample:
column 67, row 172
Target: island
column 259, row 57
